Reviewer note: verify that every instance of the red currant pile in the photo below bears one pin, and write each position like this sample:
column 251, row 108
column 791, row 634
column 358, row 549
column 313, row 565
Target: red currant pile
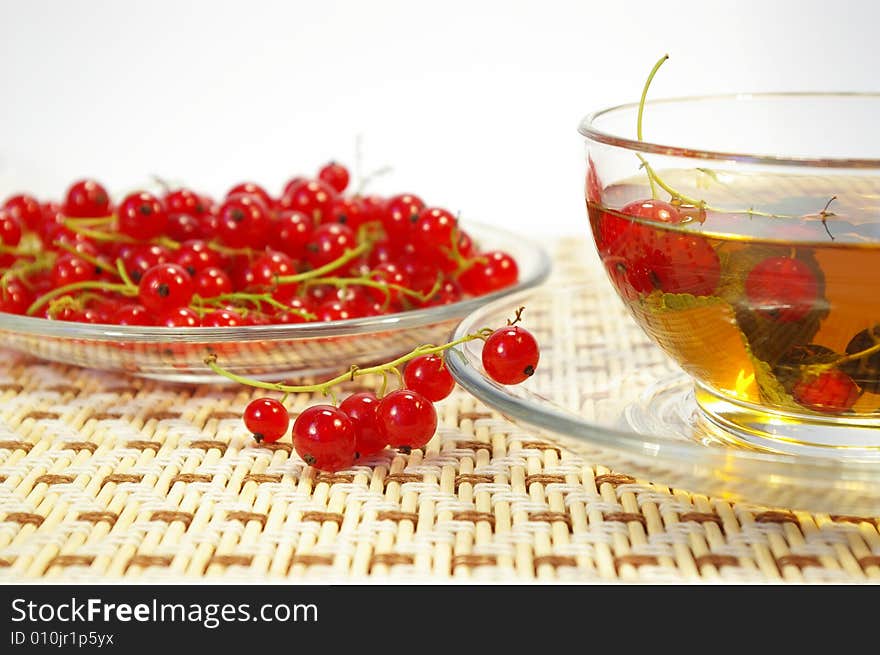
column 315, row 252
column 331, row 437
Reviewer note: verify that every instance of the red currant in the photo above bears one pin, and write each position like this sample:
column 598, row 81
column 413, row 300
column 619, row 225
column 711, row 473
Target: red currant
column 830, row 392
column 179, row 317
column 195, row 256
column 69, row 269
column 267, row 419
column 490, row 271
column 291, row 232
column 138, row 259
column 263, row 273
column 400, row 216
column 165, row 287
column 184, row 201
column 406, row 419
column 183, row 227
column 26, row 209
column 250, row 188
column 684, row 263
column 784, row 289
column 244, row 222
column 212, row 282
column 336, row 175
column 223, row 318
column 428, row 376
column 328, row 243
column 313, row 198
column 141, row 216
column 324, row 437
column 10, row 235
column 434, row 229
column 15, row 297
column 361, row 409
column 87, row 199
column 620, row 234
column 348, row 211
column 132, row 314
column 510, row 355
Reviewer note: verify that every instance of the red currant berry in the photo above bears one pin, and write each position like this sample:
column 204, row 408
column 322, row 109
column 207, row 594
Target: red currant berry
column 361, row 409
column 10, row 229
column 683, row 263
column 184, row 201
column 348, row 211
column 141, row 216
column 183, row 227
column 336, row 175
column 87, row 199
column 26, row 209
column 223, row 318
column 196, row 255
column 618, row 235
column 388, row 273
column 291, row 232
column 400, row 215
column 250, row 188
column 165, row 287
column 179, row 317
column 510, row 355
column 329, row 242
column 141, row 258
column 324, row 437
column 244, row 222
column 830, row 392
column 434, row 229
column 293, row 184
column 267, row 268
column 428, row 376
column 314, row 199
column 15, row 297
column 406, row 419
column 335, row 309
column 132, row 314
column 212, row 282
column 267, row 419
column 490, row 271
column 784, row 289
column 69, row 269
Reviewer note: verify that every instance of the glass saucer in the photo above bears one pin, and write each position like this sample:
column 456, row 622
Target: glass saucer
column 607, row 392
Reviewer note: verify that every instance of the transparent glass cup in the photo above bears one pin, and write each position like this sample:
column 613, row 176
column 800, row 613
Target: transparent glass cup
column 743, row 234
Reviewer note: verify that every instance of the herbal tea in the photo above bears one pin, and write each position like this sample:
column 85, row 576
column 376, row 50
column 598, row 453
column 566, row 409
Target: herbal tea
column 766, row 289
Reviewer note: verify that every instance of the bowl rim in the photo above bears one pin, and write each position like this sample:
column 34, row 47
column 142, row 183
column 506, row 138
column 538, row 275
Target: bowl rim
column 587, row 128
column 540, row 270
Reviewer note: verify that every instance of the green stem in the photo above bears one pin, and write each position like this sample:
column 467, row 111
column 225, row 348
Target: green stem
column 347, row 376
column 124, row 289
column 651, row 75
column 387, row 287
column 346, row 257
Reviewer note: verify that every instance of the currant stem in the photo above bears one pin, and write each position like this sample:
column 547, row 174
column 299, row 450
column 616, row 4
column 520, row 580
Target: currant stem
column 651, row 75
column 124, row 289
column 387, row 287
column 94, row 261
column 346, row 257
column 350, row 374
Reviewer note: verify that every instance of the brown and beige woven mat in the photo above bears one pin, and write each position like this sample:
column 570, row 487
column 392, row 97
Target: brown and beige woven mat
column 108, row 478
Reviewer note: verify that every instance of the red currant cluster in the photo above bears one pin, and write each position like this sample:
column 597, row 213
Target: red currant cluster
column 315, row 252
column 331, row 438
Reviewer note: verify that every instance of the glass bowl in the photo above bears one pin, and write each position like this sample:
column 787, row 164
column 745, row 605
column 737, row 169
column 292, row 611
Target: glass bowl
column 743, row 234
column 605, row 390
column 268, row 352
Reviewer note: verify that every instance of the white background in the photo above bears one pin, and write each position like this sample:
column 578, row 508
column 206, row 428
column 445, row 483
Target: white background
column 474, row 104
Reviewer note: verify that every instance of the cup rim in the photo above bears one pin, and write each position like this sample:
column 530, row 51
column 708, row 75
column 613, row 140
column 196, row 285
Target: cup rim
column 588, row 129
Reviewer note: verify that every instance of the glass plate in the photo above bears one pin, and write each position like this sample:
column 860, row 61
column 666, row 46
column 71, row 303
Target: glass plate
column 607, row 392
column 269, row 352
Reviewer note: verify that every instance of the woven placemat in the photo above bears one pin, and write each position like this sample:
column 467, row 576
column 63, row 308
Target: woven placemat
column 107, row 478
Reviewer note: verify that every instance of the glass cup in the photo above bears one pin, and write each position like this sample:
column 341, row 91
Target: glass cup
column 743, row 234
